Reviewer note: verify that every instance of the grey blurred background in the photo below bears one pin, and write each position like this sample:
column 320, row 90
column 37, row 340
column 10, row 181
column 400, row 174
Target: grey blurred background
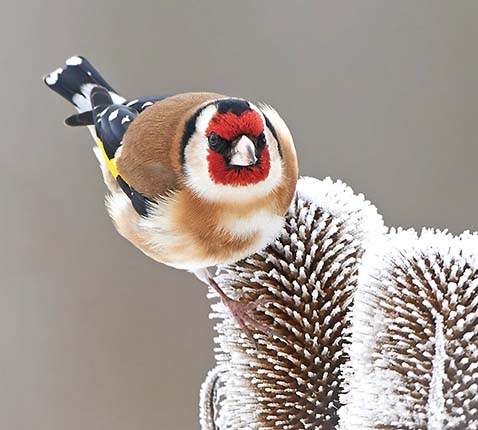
column 93, row 334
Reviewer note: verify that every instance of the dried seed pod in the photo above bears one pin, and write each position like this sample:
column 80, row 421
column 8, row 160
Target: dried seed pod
column 292, row 380
column 414, row 352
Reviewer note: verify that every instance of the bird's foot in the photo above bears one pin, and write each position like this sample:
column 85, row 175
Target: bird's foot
column 244, row 313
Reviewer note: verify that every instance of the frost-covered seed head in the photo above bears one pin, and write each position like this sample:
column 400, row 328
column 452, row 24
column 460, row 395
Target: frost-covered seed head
column 292, row 381
column 414, row 352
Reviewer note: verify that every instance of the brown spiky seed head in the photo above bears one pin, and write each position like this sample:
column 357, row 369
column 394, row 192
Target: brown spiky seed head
column 292, row 380
column 414, row 352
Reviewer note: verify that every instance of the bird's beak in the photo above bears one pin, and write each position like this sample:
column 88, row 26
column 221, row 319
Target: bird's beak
column 243, row 153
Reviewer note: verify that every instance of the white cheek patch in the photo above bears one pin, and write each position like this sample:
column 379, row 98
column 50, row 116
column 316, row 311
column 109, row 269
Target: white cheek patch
column 204, row 118
column 197, row 169
column 278, row 123
column 195, row 154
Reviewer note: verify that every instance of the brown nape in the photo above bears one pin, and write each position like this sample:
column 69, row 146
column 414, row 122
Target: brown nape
column 150, row 155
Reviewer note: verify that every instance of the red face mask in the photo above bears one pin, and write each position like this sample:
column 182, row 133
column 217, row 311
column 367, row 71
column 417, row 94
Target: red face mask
column 230, row 126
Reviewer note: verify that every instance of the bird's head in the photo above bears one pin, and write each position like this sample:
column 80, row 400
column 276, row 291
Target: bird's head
column 231, row 150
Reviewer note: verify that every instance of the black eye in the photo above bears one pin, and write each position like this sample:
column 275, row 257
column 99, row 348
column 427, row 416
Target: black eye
column 213, row 140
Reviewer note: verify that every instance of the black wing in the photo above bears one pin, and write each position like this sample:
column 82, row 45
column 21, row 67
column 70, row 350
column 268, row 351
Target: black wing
column 138, row 105
column 144, row 102
column 111, row 122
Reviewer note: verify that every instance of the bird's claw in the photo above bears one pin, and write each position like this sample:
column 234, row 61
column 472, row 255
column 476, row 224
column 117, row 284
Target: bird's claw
column 243, row 314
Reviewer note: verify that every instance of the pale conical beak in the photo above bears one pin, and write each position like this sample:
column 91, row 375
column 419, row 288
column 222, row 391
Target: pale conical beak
column 244, row 153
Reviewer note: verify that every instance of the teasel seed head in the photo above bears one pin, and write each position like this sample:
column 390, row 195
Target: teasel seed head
column 414, row 351
column 292, row 380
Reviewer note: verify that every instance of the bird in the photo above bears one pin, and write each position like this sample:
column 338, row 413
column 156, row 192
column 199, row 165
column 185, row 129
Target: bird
column 195, row 180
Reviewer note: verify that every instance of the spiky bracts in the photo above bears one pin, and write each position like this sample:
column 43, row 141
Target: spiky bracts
column 292, row 380
column 414, row 352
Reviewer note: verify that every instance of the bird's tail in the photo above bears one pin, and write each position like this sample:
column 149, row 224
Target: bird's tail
column 75, row 82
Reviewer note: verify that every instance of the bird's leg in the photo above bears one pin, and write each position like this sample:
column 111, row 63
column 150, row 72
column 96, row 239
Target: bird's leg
column 243, row 312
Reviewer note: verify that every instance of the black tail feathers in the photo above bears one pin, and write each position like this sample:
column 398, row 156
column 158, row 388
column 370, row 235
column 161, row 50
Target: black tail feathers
column 100, row 99
column 76, row 81
column 80, row 119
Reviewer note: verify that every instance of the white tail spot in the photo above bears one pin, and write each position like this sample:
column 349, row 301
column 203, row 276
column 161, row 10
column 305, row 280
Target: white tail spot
column 52, row 78
column 74, row 61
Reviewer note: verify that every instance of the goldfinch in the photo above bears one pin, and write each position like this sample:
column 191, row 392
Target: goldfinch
column 195, row 179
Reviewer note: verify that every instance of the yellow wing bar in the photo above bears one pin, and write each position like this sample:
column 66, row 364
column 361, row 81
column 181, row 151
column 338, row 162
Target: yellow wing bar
column 111, row 163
